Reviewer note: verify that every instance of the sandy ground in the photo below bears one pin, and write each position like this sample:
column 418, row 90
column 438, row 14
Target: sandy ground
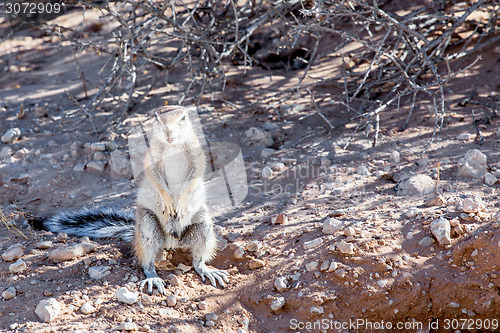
column 387, row 278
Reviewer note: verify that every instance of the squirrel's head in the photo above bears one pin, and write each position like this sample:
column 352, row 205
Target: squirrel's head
column 174, row 123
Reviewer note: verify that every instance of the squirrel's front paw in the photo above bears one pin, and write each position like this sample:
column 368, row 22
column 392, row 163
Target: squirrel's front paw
column 167, row 209
column 182, row 209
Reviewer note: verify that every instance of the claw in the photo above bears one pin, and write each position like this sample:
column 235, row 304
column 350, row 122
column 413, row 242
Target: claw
column 154, row 282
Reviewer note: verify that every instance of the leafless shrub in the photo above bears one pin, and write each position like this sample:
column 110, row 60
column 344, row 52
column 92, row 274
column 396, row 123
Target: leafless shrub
column 401, row 57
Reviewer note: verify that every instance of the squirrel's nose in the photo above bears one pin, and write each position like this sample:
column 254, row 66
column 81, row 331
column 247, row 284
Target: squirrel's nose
column 170, row 140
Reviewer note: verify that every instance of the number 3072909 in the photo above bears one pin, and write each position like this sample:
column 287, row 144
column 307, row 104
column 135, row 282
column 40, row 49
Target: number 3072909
column 17, row 8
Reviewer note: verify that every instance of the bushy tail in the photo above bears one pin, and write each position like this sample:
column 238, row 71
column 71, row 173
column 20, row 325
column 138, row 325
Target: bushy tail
column 93, row 223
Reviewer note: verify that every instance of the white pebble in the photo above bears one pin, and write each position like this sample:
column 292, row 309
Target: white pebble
column 330, row 225
column 48, row 309
column 280, row 284
column 9, row 293
column 171, row 300
column 14, row 252
column 267, row 172
column 347, row 248
column 239, row 253
column 18, row 267
column 277, row 303
column 11, row 135
column 87, row 308
column 254, row 246
column 312, row 266
column 313, row 243
column 126, row 296
column 98, row 272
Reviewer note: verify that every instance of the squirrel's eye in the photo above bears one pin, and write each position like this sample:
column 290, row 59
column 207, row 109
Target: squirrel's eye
column 183, row 119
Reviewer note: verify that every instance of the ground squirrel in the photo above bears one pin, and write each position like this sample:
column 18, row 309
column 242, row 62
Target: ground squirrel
column 170, row 209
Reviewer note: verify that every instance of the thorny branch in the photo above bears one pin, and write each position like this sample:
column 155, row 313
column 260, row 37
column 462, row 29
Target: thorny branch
column 404, row 55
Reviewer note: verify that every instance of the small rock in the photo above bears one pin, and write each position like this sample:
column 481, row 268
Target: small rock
column 330, row 225
column 87, row 308
column 98, row 146
column 350, row 231
column 269, row 126
column 362, row 170
column 267, row 172
column 70, row 252
column 426, row 241
column 395, row 157
column 128, row 326
column 171, row 300
column 344, row 247
column 79, row 167
column 9, row 293
column 324, row 265
column 5, row 152
column 256, row 263
column 211, row 316
column 490, row 179
column 412, row 212
column 279, row 219
column 14, row 252
column 317, row 310
column 119, row 163
column 125, row 296
column 278, row 166
column 280, row 284
column 383, row 283
column 11, row 135
column 313, row 243
column 473, row 164
column 325, row 162
column 496, row 217
column 441, row 229
column 423, row 162
column 259, row 137
column 165, row 312
column 267, row 152
column 435, row 200
column 48, row 310
column 98, row 272
column 277, row 303
column 99, row 156
column 472, row 204
column 254, row 246
column 415, row 185
column 174, row 280
column 453, row 305
column 202, row 306
column 333, row 266
column 464, row 136
column 312, row 266
column 239, row 253
column 44, row 245
column 18, row 267
column 341, row 273
column 96, row 166
column 61, row 237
